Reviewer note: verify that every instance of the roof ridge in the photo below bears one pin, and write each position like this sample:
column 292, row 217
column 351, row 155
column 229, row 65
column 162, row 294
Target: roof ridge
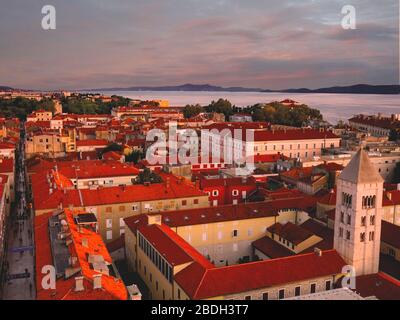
column 270, row 260
column 389, row 278
column 201, row 281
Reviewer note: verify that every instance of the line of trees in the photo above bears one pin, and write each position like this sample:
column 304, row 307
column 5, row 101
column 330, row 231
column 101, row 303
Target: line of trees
column 20, row 107
column 273, row 112
column 81, row 105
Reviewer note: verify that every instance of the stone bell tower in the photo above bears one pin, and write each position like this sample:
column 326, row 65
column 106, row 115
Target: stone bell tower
column 358, row 214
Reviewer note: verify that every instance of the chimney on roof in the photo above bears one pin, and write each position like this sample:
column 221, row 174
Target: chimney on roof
column 85, row 242
column 72, row 261
column 154, row 219
column 79, row 284
column 318, row 252
column 97, row 281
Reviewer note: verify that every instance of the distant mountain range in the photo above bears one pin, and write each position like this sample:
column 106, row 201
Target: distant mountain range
column 184, row 87
column 354, row 89
column 4, row 88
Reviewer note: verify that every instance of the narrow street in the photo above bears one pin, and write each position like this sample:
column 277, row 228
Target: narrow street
column 20, row 278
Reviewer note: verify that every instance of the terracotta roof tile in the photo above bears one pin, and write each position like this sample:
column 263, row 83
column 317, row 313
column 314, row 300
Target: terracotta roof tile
column 201, row 283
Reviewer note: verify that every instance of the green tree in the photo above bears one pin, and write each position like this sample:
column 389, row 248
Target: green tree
column 277, row 113
column 134, row 156
column 190, row 110
column 221, row 106
column 394, row 135
column 148, row 176
column 112, row 147
column 20, row 107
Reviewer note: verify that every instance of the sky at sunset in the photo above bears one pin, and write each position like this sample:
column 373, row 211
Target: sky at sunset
column 273, row 44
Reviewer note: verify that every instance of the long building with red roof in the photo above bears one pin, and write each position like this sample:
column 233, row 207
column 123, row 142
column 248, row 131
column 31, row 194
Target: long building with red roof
column 173, row 269
column 67, row 239
column 253, row 139
column 52, row 190
column 85, row 174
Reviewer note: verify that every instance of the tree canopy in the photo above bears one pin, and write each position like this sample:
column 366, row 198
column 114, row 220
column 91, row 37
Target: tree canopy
column 277, row 113
column 191, row 110
column 148, row 176
column 134, row 157
column 20, row 107
column 112, row 147
column 81, row 105
column 221, row 106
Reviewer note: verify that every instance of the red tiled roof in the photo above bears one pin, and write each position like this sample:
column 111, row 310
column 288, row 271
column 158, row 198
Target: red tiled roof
column 268, row 158
column 237, row 125
column 171, row 246
column 379, row 285
column 116, row 244
column 293, row 233
column 86, row 169
column 390, row 234
column 321, row 231
column 331, row 166
column 6, row 165
column 304, row 202
column 43, row 199
column 329, row 198
column 91, row 142
column 271, row 248
column 297, row 173
column 6, row 145
column 112, row 288
column 393, row 200
column 112, row 155
column 384, row 122
column 217, row 214
column 201, row 283
column 295, row 134
column 233, row 181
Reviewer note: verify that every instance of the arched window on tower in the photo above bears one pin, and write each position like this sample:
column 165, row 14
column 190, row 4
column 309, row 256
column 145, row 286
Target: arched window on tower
column 347, row 199
column 368, row 202
column 372, row 220
column 372, row 236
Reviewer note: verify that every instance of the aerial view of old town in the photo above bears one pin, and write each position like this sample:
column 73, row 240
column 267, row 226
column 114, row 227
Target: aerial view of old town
column 157, row 150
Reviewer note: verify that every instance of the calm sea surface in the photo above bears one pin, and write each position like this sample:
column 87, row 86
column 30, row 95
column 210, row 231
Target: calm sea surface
column 334, row 107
